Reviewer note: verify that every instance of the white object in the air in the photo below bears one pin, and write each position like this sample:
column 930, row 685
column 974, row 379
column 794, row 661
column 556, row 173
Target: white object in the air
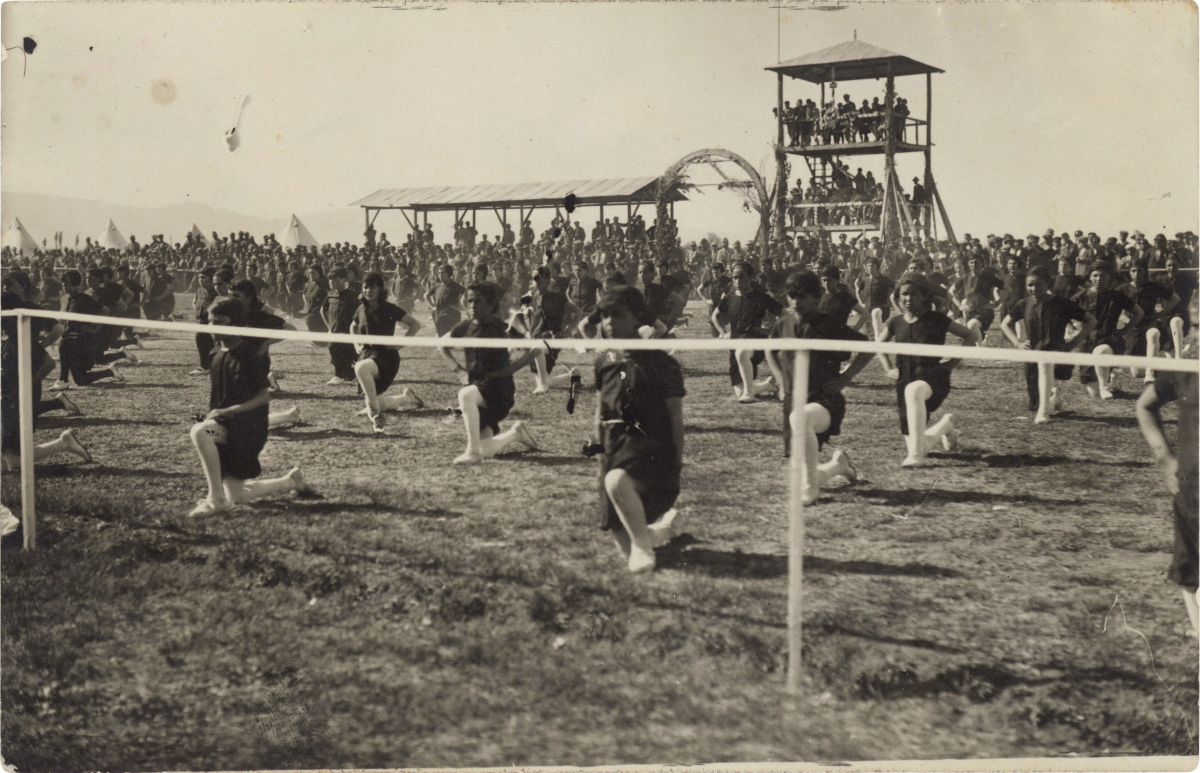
column 232, row 138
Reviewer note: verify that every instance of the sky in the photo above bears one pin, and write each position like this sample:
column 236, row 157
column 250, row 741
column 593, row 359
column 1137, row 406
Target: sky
column 1049, row 115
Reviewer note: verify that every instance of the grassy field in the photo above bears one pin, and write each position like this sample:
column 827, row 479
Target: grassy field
column 423, row 614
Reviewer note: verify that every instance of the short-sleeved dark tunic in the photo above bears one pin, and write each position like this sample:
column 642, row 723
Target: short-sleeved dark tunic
column 236, row 375
column 636, row 427
column 929, row 327
column 498, row 389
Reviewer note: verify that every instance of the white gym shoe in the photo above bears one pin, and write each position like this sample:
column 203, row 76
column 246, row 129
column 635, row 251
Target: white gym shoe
column 335, row 381
column 8, row 522
column 468, row 457
column 69, row 406
column 60, row 386
column 950, row 437
column 198, row 372
column 302, row 487
column 665, row 528
column 377, row 423
column 1106, row 393
column 641, row 559
column 74, row 446
column 207, row 507
column 117, row 375
column 130, row 357
column 524, row 437
column 848, row 470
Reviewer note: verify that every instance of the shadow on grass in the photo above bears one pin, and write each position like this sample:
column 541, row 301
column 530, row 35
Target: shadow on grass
column 720, row 563
column 287, row 394
column 89, row 470
column 726, row 430
column 298, row 433
column 925, row 644
column 1112, row 421
column 133, row 383
column 556, row 460
column 1006, row 461
column 911, row 497
column 78, row 422
column 330, row 507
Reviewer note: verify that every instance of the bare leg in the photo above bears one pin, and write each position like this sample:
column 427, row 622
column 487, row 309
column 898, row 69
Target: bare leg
column 493, row 445
column 1176, row 325
column 366, row 371
column 469, row 400
column 210, row 460
column 1153, row 343
column 67, row 443
column 628, row 504
column 541, row 374
column 283, row 418
column 818, row 422
column 406, row 399
column 1189, row 600
column 1045, row 372
column 1102, row 374
column 241, row 492
column 751, row 389
column 973, row 324
column 915, row 395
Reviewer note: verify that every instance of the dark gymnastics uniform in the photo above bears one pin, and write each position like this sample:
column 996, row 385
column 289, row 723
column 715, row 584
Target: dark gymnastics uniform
column 1046, row 322
column 1148, row 296
column 1184, row 388
column 257, row 317
column 977, row 291
column 236, row 375
column 549, row 313
column 340, row 308
column 204, row 341
column 634, row 390
column 380, row 321
column 447, row 312
column 499, row 391
column 1106, row 307
column 877, row 290
column 823, row 367
column 746, row 314
column 837, row 304
column 930, row 327
column 77, row 349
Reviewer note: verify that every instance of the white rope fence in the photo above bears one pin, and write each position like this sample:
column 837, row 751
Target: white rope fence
column 799, row 419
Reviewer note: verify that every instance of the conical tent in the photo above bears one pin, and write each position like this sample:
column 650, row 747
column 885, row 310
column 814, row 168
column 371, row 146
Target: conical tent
column 297, row 234
column 198, row 235
column 112, row 239
column 19, row 240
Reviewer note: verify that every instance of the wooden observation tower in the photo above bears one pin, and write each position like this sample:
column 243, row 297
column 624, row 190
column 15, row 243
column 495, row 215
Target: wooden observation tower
column 892, row 132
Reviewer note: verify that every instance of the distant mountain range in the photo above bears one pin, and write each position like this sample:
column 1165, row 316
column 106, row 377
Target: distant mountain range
column 43, row 214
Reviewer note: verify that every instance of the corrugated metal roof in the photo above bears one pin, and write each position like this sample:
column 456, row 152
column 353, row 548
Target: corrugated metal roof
column 852, row 60
column 616, row 190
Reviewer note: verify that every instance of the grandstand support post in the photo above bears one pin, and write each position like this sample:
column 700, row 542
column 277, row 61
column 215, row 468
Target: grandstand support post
column 798, row 473
column 781, row 168
column 25, row 396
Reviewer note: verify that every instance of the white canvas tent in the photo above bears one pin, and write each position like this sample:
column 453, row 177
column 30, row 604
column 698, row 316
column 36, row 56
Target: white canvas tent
column 112, row 239
column 198, row 234
column 19, row 240
column 297, row 234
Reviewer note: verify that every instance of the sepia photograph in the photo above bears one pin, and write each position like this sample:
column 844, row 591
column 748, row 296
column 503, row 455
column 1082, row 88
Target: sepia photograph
column 789, row 385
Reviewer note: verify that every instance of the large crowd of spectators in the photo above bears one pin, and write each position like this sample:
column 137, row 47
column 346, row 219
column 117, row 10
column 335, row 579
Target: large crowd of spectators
column 295, row 280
